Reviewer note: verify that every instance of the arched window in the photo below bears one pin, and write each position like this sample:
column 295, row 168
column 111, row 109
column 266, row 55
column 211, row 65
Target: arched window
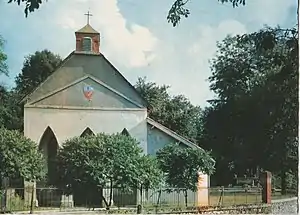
column 125, row 132
column 87, row 132
column 49, row 148
column 87, row 44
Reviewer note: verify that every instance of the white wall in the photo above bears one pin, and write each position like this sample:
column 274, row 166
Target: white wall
column 68, row 123
column 158, row 139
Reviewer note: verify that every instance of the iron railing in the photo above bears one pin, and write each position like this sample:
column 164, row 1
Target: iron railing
column 20, row 199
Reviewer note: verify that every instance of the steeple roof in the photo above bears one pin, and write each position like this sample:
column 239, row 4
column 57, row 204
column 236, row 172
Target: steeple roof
column 87, row 29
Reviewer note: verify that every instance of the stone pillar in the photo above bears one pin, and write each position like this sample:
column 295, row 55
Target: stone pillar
column 265, row 179
column 66, row 201
column 29, row 193
column 202, row 190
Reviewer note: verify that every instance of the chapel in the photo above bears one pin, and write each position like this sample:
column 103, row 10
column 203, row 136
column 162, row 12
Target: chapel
column 87, row 95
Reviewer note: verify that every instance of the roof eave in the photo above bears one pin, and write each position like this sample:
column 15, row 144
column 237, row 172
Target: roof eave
column 174, row 135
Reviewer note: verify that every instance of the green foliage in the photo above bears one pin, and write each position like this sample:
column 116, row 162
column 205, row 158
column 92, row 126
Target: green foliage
column 176, row 113
column 254, row 122
column 36, row 68
column 182, row 164
column 179, row 10
column 10, row 110
column 19, row 157
column 176, row 11
column 13, row 202
column 30, row 5
column 150, row 175
column 94, row 162
column 3, row 58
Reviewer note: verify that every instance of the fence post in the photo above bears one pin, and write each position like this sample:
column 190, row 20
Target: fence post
column 266, row 182
column 223, row 190
column 246, row 195
column 139, row 209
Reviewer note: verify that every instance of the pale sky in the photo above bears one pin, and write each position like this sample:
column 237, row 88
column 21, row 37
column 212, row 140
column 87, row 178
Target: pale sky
column 136, row 37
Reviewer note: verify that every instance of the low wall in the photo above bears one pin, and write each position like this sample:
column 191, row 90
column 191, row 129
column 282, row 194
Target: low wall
column 285, row 206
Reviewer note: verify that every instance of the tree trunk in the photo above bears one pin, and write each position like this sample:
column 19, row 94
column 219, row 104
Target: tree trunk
column 139, row 207
column 185, row 197
column 105, row 202
column 158, row 200
column 32, row 200
column 141, row 194
column 283, row 182
column 110, row 193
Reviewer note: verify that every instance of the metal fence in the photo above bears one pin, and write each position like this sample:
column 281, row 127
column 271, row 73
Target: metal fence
column 20, row 199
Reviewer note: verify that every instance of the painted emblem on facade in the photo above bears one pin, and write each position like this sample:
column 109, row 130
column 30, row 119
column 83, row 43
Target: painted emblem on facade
column 88, row 92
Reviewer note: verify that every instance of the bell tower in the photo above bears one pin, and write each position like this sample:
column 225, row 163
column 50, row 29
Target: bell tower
column 87, row 38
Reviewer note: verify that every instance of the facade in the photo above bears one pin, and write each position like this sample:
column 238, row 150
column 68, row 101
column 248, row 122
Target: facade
column 87, row 93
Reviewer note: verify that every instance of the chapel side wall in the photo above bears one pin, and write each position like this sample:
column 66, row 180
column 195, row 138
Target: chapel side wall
column 68, row 123
column 157, row 140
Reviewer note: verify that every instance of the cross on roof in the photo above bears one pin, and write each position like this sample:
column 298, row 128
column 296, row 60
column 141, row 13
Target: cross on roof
column 88, row 14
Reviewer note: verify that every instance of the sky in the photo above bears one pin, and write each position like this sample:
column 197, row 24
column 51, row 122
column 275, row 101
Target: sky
column 136, row 37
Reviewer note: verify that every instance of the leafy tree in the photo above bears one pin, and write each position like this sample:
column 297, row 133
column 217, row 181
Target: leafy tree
column 19, row 157
column 176, row 113
column 256, row 79
column 150, row 175
column 36, row 68
column 3, row 58
column 182, row 164
column 177, row 10
column 93, row 162
column 10, row 110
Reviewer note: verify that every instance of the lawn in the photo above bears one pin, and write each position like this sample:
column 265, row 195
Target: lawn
column 228, row 199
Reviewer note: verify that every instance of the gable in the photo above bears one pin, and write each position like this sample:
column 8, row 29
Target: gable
column 78, row 65
column 73, row 95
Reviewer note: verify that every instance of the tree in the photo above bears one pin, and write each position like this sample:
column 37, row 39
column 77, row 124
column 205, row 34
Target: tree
column 255, row 77
column 93, row 162
column 174, row 112
column 3, row 58
column 36, row 68
column 181, row 166
column 19, row 157
column 150, row 175
column 177, row 10
column 10, row 110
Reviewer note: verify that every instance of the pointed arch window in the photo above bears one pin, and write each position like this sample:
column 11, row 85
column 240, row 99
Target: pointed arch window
column 49, row 147
column 87, row 132
column 87, row 44
column 125, row 132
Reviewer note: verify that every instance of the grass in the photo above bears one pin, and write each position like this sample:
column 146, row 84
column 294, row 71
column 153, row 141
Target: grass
column 229, row 199
column 15, row 203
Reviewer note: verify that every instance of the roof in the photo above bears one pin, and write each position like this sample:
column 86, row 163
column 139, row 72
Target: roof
column 173, row 134
column 87, row 30
column 78, row 65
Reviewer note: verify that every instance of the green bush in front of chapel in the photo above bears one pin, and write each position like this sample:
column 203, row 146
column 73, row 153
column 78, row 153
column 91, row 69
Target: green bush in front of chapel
column 19, row 157
column 116, row 161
